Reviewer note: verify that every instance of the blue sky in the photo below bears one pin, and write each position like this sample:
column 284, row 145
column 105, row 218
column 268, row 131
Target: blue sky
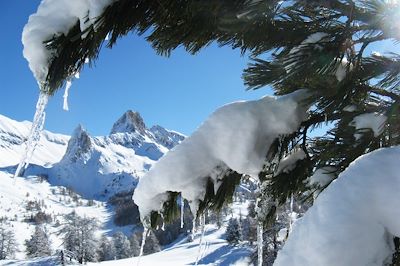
column 177, row 92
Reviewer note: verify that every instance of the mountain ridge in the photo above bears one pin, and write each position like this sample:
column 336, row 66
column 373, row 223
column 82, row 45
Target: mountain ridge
column 94, row 166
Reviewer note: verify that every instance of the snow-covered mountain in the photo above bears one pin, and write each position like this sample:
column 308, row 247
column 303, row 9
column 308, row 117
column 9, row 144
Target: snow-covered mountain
column 99, row 167
column 13, row 135
column 92, row 167
column 95, row 167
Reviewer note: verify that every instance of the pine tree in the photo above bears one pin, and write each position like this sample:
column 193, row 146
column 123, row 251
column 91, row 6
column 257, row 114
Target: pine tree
column 151, row 245
column 135, row 245
column 8, row 245
column 122, row 246
column 39, row 244
column 106, row 250
column 233, row 232
column 79, row 236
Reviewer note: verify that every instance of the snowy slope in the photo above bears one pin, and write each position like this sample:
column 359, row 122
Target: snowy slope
column 213, row 251
column 17, row 194
column 13, row 135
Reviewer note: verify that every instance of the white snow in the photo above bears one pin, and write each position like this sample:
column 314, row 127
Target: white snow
column 15, row 193
column 369, row 121
column 54, row 18
column 321, row 177
column 341, row 70
column 288, row 163
column 312, row 39
column 236, row 136
column 215, row 251
column 13, row 136
column 296, row 51
column 354, row 220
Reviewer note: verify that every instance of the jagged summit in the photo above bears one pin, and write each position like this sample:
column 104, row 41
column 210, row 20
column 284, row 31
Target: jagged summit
column 129, row 122
column 165, row 137
column 79, row 143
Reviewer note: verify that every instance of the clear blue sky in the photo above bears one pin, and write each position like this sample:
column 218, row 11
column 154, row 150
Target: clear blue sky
column 177, row 92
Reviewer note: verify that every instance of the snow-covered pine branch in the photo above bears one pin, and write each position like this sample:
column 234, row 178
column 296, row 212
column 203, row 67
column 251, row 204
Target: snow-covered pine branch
column 237, row 136
column 52, row 19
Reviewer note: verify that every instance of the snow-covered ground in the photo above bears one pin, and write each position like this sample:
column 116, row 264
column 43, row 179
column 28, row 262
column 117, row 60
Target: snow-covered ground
column 213, row 251
column 18, row 197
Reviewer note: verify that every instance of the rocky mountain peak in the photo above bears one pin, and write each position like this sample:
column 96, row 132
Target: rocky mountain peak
column 129, row 122
column 79, row 143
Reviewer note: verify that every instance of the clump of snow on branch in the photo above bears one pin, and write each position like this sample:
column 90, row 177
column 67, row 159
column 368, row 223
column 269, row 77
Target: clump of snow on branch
column 53, row 18
column 341, row 70
column 369, row 121
column 322, row 177
column 312, row 39
column 359, row 209
column 295, row 52
column 288, row 163
column 237, row 136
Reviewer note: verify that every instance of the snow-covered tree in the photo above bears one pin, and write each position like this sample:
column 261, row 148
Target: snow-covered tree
column 233, row 232
column 8, row 245
column 79, row 236
column 122, row 246
column 151, row 245
column 135, row 245
column 106, row 249
column 39, row 244
column 323, row 57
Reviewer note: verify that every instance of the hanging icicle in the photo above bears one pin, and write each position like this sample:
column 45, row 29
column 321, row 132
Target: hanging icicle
column 182, row 210
column 163, row 222
column 145, row 234
column 194, row 227
column 66, row 92
column 34, row 134
column 291, row 215
column 202, row 226
column 260, row 242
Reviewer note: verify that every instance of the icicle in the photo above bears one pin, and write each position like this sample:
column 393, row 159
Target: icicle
column 260, row 242
column 182, row 210
column 34, row 134
column 67, row 87
column 145, row 234
column 194, row 227
column 163, row 222
column 291, row 214
column 202, row 226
